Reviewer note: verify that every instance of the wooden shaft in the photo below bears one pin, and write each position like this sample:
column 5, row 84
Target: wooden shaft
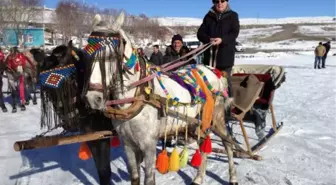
column 43, row 142
column 273, row 118
column 245, row 136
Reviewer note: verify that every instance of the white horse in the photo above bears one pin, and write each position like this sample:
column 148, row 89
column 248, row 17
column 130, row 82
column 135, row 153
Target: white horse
column 141, row 133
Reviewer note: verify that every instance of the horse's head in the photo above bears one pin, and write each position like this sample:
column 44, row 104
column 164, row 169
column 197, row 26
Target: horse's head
column 62, row 80
column 113, row 63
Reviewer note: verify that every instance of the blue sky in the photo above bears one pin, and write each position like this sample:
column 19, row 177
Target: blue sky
column 198, row 8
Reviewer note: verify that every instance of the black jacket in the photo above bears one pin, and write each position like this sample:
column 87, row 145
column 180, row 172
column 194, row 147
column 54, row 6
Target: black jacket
column 225, row 26
column 156, row 58
column 327, row 47
column 171, row 55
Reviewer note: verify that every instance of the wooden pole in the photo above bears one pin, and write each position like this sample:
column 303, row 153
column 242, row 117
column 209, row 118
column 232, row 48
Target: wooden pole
column 49, row 141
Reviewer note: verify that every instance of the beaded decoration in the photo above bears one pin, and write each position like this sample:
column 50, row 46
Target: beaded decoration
column 97, row 43
column 55, row 77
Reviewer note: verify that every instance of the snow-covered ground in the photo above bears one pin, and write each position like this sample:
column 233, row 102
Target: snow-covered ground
column 246, row 34
column 303, row 153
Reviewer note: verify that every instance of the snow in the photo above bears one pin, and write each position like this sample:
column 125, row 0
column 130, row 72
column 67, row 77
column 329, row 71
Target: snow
column 303, row 152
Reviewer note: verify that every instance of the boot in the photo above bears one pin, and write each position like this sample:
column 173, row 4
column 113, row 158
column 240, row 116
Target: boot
column 23, row 107
column 14, row 110
column 3, row 108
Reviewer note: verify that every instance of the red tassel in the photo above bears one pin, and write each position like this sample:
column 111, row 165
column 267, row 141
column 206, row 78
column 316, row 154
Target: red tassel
column 218, row 73
column 206, row 146
column 137, row 66
column 196, row 159
column 115, row 142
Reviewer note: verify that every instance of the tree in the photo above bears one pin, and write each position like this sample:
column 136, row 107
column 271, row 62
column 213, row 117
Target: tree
column 74, row 19
column 18, row 14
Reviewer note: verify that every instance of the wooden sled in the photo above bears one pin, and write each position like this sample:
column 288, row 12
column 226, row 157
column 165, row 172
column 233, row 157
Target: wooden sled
column 253, row 88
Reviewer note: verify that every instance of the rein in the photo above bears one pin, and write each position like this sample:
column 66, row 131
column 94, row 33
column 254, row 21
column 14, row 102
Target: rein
column 166, row 68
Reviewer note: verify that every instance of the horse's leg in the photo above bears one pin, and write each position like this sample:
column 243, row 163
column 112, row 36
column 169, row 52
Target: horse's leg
column 133, row 158
column 201, row 170
column 33, row 85
column 100, row 150
column 13, row 91
column 149, row 151
column 219, row 128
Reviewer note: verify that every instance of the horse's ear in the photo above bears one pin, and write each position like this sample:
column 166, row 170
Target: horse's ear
column 119, row 22
column 96, row 20
column 70, row 45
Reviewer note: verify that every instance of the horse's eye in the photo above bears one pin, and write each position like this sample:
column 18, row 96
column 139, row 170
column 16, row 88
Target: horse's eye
column 99, row 99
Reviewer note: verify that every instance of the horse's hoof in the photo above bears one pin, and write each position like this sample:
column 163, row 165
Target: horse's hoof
column 23, row 108
column 193, row 183
column 14, row 110
column 233, row 183
column 35, row 102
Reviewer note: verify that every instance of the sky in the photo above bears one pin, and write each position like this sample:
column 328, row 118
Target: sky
column 198, row 8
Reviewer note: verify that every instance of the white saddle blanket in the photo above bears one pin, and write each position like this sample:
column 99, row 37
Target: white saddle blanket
column 174, row 89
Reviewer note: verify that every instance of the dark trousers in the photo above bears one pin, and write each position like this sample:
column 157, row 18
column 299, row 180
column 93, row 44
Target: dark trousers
column 1, row 94
column 323, row 61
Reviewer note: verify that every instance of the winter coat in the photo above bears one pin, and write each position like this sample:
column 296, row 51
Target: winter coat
column 320, row 50
column 156, row 58
column 171, row 55
column 327, row 47
column 225, row 26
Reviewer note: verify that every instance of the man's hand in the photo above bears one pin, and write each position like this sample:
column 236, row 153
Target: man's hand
column 216, row 41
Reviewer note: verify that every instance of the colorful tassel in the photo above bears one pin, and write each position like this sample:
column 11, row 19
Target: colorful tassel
column 206, row 146
column 197, row 159
column 174, row 161
column 84, row 152
column 218, row 73
column 115, row 142
column 184, row 157
column 137, row 67
column 162, row 162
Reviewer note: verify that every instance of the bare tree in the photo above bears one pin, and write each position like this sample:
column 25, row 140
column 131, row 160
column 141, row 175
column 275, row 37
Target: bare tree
column 74, row 19
column 19, row 14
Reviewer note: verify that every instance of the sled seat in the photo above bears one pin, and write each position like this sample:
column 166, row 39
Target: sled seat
column 267, row 92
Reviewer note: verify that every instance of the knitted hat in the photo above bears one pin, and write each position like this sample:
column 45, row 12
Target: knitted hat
column 213, row 1
column 177, row 37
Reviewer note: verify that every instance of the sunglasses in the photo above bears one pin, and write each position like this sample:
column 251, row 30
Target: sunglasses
column 217, row 1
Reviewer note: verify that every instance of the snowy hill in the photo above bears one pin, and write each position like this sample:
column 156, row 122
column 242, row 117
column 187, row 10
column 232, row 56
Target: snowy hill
column 188, row 21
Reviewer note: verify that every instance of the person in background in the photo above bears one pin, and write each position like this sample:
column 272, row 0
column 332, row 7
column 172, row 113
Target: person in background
column 324, row 58
column 141, row 53
column 176, row 50
column 319, row 51
column 3, row 67
column 221, row 27
column 156, row 57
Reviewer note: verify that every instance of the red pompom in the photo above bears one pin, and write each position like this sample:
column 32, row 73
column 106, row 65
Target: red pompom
column 115, row 142
column 196, row 159
column 206, row 146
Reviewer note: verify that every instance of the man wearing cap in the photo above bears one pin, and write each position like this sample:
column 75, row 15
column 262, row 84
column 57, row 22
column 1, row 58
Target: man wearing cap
column 221, row 27
column 176, row 50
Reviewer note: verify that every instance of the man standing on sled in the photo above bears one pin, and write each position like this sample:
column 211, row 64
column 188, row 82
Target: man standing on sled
column 221, row 27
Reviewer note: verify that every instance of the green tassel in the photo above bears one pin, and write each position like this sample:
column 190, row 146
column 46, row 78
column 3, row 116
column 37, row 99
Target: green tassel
column 184, row 157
